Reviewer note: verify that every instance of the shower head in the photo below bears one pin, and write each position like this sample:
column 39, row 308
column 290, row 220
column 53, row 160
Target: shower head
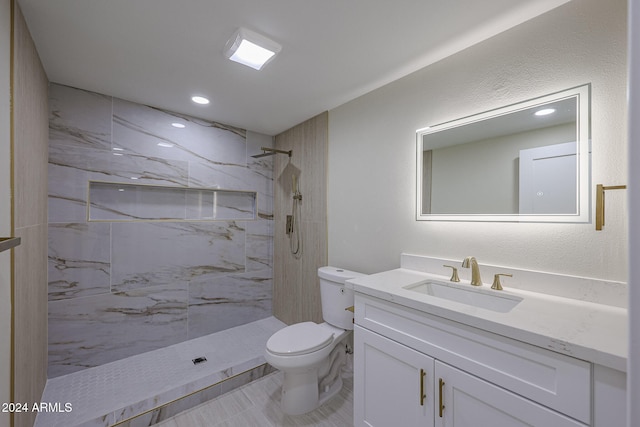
column 257, row 156
column 270, row 152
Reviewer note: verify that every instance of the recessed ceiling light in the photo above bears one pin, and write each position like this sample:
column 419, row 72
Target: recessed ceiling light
column 118, row 149
column 251, row 49
column 200, row 100
column 165, row 144
column 118, row 154
column 545, row 112
column 178, row 125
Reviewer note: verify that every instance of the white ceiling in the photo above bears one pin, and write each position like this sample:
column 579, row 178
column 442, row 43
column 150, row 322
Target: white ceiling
column 161, row 52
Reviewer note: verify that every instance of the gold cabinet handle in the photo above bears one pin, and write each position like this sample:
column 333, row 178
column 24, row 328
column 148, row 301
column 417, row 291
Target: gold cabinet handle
column 440, row 387
column 422, row 393
column 351, row 309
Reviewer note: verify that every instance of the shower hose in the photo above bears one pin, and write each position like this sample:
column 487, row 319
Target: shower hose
column 295, row 242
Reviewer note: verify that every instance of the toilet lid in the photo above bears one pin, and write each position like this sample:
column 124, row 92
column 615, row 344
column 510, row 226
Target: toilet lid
column 301, row 338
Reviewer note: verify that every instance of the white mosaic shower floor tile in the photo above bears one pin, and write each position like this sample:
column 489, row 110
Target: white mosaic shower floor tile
column 107, row 394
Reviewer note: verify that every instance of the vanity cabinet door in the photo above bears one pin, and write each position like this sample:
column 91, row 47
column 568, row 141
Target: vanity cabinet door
column 464, row 400
column 393, row 384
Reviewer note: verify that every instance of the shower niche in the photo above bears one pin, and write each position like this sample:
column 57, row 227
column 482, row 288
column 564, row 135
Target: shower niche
column 113, row 201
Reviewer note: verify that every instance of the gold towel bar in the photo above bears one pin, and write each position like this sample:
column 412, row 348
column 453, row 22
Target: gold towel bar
column 600, row 189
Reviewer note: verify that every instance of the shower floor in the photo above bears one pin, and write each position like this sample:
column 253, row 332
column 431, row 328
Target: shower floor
column 144, row 389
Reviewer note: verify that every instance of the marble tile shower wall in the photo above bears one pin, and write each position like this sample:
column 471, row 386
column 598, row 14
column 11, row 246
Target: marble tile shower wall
column 122, row 288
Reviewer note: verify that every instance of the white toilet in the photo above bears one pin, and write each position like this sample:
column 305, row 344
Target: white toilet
column 311, row 355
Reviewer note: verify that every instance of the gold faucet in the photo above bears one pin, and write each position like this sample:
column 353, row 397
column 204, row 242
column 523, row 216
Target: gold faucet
column 496, row 281
column 475, row 270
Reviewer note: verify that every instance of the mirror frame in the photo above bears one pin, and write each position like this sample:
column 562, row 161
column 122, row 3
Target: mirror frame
column 583, row 131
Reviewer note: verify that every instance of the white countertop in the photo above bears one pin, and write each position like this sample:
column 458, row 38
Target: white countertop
column 586, row 330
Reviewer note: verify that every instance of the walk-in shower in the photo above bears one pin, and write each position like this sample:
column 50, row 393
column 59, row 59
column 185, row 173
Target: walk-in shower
column 153, row 267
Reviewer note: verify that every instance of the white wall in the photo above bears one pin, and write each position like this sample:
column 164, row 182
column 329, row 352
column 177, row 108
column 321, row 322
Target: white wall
column 5, row 208
column 371, row 171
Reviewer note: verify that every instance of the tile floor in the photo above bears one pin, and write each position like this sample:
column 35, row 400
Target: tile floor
column 257, row 405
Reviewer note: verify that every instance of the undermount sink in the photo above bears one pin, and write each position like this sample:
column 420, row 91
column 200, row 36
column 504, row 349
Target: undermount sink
column 490, row 300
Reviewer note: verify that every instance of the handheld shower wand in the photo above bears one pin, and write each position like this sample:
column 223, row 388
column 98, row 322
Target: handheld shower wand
column 294, row 188
column 293, row 229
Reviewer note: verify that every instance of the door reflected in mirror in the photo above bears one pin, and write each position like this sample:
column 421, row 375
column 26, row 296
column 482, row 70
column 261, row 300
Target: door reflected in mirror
column 525, row 162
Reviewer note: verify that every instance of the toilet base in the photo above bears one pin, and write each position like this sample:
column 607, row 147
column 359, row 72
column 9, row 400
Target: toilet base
column 331, row 391
column 300, row 392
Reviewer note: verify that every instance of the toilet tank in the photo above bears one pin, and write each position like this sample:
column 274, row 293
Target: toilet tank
column 336, row 297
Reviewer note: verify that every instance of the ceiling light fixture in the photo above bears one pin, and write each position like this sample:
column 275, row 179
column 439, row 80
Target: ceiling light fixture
column 178, row 125
column 251, row 49
column 200, row 100
column 545, row 112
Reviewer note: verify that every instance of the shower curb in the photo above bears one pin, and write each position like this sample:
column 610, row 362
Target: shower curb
column 173, row 408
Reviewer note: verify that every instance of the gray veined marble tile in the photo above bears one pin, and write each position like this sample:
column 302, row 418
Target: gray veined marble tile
column 120, row 167
column 79, row 118
column 220, row 205
column 139, row 169
column 116, row 201
column 262, row 167
column 148, row 131
column 161, row 253
column 212, row 175
column 67, row 194
column 125, row 202
column 218, row 303
column 91, row 331
column 260, row 177
column 259, row 250
column 262, row 182
column 79, row 260
column 70, row 169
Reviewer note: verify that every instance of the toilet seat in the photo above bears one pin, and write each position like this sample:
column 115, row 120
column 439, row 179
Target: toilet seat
column 301, row 338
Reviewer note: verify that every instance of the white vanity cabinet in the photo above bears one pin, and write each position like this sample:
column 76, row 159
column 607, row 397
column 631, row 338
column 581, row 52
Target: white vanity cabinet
column 468, row 401
column 415, row 369
column 393, row 383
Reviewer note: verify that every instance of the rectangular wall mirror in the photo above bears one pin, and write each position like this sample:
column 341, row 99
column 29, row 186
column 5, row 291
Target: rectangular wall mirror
column 526, row 162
